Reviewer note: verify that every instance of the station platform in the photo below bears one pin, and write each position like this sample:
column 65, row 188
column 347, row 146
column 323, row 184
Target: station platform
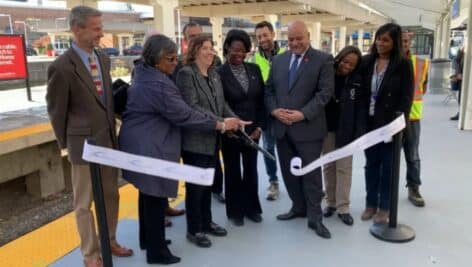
column 443, row 235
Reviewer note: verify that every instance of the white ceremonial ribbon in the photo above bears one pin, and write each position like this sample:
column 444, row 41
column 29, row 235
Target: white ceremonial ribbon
column 147, row 165
column 369, row 139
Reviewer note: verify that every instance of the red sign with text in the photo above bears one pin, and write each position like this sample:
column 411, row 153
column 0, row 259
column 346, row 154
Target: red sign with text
column 12, row 58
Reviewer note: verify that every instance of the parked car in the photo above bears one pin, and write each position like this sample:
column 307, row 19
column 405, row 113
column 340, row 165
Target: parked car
column 30, row 51
column 134, row 50
column 111, row 51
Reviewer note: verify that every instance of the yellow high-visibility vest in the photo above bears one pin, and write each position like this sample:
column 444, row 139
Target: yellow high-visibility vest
column 264, row 63
column 420, row 72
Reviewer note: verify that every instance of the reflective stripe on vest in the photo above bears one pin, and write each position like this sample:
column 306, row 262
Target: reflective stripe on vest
column 264, row 63
column 420, row 72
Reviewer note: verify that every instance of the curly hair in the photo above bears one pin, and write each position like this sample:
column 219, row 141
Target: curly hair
column 236, row 35
column 346, row 51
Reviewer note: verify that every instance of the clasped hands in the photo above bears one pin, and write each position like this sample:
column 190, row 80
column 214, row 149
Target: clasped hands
column 288, row 116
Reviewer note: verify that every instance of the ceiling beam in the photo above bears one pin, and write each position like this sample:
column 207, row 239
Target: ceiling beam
column 244, row 9
column 346, row 8
column 312, row 18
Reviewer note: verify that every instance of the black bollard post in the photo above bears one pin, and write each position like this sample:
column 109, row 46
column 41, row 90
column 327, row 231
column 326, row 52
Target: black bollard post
column 100, row 211
column 393, row 232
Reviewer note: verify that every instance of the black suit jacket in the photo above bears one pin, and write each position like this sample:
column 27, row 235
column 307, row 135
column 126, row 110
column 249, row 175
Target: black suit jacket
column 247, row 106
column 395, row 93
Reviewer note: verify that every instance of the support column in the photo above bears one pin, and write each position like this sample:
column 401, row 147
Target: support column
column 342, row 37
column 465, row 110
column 351, row 41
column 217, row 34
column 446, row 24
column 437, row 40
column 333, row 42
column 360, row 40
column 274, row 20
column 315, row 34
column 90, row 3
column 164, row 17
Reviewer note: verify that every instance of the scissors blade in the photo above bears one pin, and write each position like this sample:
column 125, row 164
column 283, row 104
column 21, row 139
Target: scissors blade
column 254, row 145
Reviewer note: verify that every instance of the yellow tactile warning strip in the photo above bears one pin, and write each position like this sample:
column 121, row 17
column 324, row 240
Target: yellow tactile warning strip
column 49, row 243
column 24, row 131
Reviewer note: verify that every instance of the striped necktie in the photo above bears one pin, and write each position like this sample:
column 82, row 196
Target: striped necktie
column 95, row 76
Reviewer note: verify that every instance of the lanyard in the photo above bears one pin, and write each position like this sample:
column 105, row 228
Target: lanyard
column 378, row 78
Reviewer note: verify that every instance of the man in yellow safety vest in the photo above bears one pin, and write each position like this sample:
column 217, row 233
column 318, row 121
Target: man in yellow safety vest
column 267, row 50
column 411, row 138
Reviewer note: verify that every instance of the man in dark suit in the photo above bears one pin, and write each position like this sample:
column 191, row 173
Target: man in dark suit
column 80, row 105
column 301, row 82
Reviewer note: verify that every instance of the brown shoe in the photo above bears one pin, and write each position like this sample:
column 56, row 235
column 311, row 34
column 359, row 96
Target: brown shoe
column 97, row 262
column 381, row 217
column 368, row 214
column 120, row 251
column 174, row 212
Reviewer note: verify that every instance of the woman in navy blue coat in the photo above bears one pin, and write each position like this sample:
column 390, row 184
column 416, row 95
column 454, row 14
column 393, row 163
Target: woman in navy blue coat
column 341, row 119
column 155, row 111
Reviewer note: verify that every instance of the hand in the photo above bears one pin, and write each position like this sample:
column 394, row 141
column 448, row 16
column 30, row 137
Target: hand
column 282, row 115
column 235, row 123
column 231, row 123
column 256, row 134
column 242, row 124
column 459, row 76
column 295, row 115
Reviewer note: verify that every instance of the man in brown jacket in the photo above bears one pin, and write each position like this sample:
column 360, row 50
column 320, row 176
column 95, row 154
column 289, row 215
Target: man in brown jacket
column 80, row 105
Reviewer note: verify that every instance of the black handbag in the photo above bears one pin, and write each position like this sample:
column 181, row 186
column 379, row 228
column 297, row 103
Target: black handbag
column 120, row 95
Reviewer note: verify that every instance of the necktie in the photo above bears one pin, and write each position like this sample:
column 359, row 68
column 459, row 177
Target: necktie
column 95, row 76
column 293, row 71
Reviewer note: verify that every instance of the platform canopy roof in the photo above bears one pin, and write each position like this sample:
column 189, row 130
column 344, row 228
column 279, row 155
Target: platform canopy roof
column 425, row 13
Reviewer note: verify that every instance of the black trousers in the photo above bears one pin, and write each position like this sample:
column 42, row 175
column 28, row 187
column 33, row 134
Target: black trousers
column 241, row 191
column 306, row 192
column 198, row 197
column 151, row 224
column 217, row 186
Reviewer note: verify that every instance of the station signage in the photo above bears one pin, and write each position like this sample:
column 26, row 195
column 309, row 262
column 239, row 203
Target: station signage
column 12, row 58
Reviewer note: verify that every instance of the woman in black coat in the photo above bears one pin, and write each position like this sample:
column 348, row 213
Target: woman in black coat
column 387, row 79
column 341, row 122
column 244, row 92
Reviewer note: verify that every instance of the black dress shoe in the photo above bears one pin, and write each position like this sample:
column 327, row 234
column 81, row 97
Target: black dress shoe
column 256, row 217
column 290, row 216
column 219, row 197
column 329, row 211
column 216, row 230
column 199, row 239
column 237, row 221
column 320, row 229
column 162, row 256
column 455, row 117
column 346, row 218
